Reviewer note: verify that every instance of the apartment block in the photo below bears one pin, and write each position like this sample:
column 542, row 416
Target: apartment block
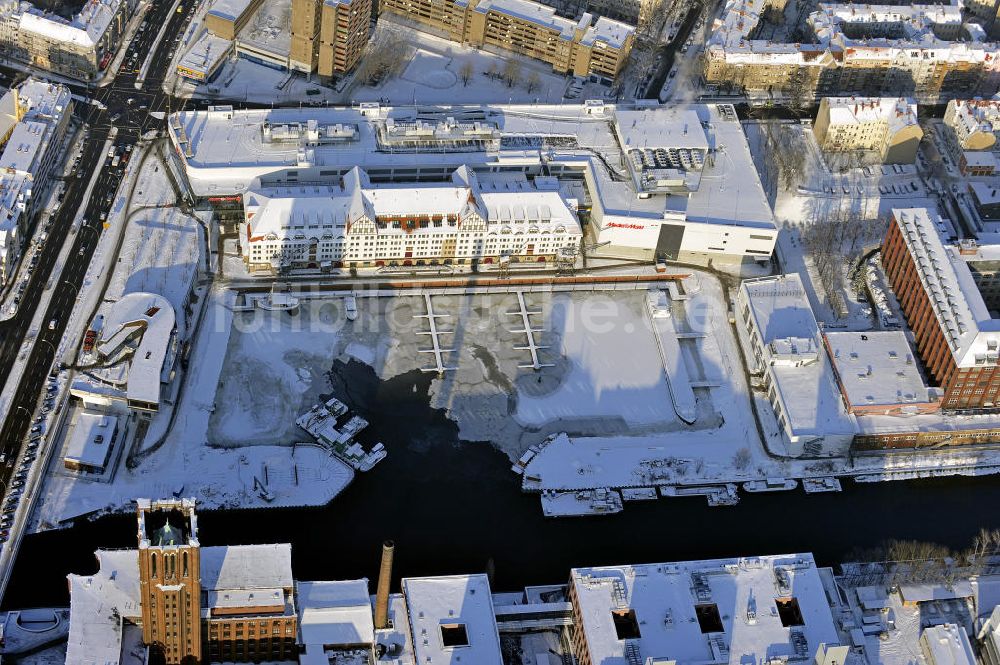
column 947, row 306
column 344, row 32
column 923, row 51
column 586, row 47
column 305, row 23
column 328, row 36
column 39, row 114
column 79, row 47
column 886, row 126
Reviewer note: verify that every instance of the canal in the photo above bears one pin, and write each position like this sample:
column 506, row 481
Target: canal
column 452, row 506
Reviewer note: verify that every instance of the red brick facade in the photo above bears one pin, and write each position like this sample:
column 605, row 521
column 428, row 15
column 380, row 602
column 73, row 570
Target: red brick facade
column 965, row 388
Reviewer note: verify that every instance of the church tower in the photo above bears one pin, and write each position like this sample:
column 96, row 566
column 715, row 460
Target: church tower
column 170, row 580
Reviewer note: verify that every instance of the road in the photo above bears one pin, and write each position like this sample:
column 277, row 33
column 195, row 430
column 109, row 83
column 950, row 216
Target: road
column 128, row 109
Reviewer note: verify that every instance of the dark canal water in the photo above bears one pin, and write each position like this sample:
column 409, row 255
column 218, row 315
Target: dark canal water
column 451, row 506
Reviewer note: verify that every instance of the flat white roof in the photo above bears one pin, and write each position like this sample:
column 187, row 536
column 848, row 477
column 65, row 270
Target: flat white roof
column 85, row 29
column 230, row 599
column 97, row 605
column 206, row 53
column 753, row 599
column 947, row 644
column 876, row 367
column 656, row 128
column 270, row 31
column 247, row 567
column 463, row 606
column 986, row 194
column 231, row 10
column 335, row 613
column 24, row 148
column 790, row 336
column 90, row 438
column 225, row 152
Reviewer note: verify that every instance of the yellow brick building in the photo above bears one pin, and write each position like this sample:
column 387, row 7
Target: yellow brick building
column 582, row 48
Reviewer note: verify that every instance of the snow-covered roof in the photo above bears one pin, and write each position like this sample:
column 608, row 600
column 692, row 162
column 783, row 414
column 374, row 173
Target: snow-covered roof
column 337, row 613
column 897, row 113
column 90, row 438
column 534, row 12
column 24, row 149
column 225, row 152
column 247, row 567
column 790, row 350
column 675, row 127
column 924, row 592
column 100, row 602
column 969, row 116
column 98, row 605
column 985, row 193
column 915, row 22
column 269, row 32
column 979, row 159
column 756, row 610
column 947, row 644
column 205, row 54
column 452, row 620
column 85, row 30
column 43, row 101
column 917, row 39
column 230, row 10
column 876, row 368
column 611, row 32
column 970, row 331
column 328, row 212
column 150, row 317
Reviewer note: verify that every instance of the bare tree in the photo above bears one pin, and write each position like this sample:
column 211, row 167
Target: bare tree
column 465, row 72
column 741, row 460
column 534, row 82
column 512, row 73
column 383, row 59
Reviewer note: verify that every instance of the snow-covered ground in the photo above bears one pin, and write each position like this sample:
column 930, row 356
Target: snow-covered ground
column 161, row 250
column 431, row 74
column 185, row 463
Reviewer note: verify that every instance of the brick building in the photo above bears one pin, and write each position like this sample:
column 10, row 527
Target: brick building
column 186, row 603
column 328, row 36
column 946, row 306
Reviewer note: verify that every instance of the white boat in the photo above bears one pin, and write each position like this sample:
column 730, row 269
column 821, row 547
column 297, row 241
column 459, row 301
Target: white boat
column 639, row 493
column 351, row 307
column 374, row 456
column 521, row 464
column 581, row 503
column 770, row 485
column 724, row 496
column 336, row 407
column 815, row 485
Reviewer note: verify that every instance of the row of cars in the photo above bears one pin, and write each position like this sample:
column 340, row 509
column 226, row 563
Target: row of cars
column 118, row 156
column 19, row 477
